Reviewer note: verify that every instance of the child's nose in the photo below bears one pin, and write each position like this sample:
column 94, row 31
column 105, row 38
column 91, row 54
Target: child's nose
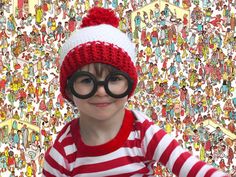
column 101, row 91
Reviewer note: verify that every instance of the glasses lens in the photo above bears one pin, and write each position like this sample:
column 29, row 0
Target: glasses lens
column 117, row 84
column 83, row 85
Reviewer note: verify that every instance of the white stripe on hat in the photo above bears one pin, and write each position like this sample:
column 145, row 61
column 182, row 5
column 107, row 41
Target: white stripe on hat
column 102, row 33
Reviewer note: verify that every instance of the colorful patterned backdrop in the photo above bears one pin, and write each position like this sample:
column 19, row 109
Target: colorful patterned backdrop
column 186, row 53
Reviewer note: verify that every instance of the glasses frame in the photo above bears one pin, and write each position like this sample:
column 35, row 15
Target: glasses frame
column 97, row 83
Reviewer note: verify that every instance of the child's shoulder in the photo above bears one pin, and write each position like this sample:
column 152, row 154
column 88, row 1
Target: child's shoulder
column 67, row 130
column 141, row 117
column 144, row 124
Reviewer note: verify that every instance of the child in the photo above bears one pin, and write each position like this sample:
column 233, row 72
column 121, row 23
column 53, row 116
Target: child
column 98, row 76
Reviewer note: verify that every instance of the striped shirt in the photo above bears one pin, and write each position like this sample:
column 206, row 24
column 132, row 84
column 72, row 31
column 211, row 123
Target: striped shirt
column 138, row 145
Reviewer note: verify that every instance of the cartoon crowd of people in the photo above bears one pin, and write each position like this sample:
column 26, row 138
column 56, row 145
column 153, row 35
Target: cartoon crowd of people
column 186, row 70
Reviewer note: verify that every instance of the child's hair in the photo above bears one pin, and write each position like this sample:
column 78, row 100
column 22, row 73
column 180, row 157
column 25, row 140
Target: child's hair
column 99, row 68
column 97, row 41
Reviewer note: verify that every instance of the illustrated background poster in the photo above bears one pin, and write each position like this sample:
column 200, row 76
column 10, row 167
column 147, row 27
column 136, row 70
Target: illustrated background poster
column 185, row 61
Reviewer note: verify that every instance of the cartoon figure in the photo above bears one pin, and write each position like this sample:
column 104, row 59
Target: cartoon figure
column 3, row 162
column 20, row 6
column 25, row 134
column 2, row 21
column 156, row 12
column 167, row 11
column 232, row 22
column 11, row 161
column 186, row 4
column 196, row 139
column 202, row 152
column 29, row 170
column 217, row 22
column 146, row 19
column 38, row 15
column 3, row 42
column 11, row 24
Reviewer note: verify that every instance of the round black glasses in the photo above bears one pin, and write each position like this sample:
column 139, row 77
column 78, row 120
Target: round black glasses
column 84, row 85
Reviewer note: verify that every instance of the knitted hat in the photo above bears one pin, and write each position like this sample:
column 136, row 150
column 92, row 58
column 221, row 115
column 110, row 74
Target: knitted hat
column 97, row 41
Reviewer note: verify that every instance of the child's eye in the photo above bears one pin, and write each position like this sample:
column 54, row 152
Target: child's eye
column 83, row 80
column 115, row 78
column 86, row 81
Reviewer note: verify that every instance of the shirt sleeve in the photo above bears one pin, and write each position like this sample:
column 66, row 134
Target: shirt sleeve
column 161, row 147
column 55, row 162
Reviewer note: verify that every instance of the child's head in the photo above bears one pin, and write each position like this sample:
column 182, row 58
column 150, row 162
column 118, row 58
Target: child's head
column 98, row 47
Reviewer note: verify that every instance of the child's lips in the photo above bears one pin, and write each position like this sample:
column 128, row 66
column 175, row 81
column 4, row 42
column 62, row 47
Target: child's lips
column 101, row 104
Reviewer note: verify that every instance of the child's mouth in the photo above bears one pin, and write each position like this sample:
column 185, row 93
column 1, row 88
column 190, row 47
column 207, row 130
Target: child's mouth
column 101, row 104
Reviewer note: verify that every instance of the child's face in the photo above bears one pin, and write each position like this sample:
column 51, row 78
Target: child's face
column 100, row 105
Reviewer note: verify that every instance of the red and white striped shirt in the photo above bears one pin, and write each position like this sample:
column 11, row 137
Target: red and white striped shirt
column 138, row 145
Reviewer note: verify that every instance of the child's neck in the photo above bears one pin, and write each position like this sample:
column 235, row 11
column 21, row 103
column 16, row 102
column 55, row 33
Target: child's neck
column 94, row 132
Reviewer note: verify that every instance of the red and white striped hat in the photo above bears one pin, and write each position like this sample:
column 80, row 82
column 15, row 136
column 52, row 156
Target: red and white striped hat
column 97, row 41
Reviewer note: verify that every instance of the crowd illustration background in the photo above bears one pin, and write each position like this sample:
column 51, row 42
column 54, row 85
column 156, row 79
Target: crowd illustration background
column 186, row 66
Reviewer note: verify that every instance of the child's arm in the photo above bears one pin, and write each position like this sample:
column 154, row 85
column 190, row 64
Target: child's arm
column 161, row 147
column 55, row 164
column 55, row 159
